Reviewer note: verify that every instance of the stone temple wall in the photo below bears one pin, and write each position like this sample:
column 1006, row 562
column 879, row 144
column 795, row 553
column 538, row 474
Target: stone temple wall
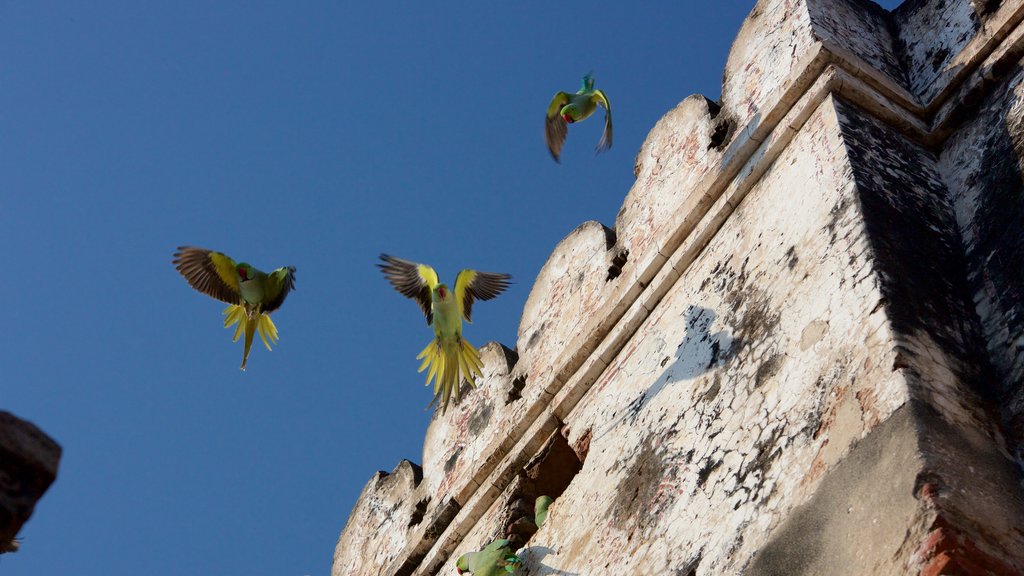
column 799, row 351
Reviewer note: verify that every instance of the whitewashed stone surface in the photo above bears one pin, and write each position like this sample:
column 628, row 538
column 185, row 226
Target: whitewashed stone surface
column 799, row 350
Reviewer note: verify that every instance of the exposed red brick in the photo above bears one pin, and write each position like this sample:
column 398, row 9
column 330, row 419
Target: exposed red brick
column 948, row 552
column 943, row 564
column 941, row 540
column 929, row 494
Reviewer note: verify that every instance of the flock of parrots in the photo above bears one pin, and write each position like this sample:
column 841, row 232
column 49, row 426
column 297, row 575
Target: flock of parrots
column 252, row 295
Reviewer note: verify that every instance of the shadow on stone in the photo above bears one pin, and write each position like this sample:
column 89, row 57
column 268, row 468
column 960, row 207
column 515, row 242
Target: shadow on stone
column 699, row 352
column 533, row 560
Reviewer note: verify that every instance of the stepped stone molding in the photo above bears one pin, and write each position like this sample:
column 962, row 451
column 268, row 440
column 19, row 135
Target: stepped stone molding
column 801, row 348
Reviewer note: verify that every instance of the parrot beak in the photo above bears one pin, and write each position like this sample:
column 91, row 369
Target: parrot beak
column 567, row 118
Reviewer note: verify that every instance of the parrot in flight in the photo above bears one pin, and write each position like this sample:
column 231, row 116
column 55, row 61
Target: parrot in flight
column 491, row 561
column 568, row 108
column 540, row 510
column 448, row 356
column 251, row 294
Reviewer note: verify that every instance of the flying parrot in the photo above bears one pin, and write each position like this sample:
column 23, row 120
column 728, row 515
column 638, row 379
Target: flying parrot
column 491, row 561
column 251, row 294
column 568, row 108
column 448, row 356
column 540, row 510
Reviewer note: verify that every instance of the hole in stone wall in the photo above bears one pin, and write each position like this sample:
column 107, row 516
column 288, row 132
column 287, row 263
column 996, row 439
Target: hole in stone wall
column 713, row 107
column 419, row 511
column 986, row 7
column 721, row 128
column 618, row 261
column 516, row 392
column 548, row 474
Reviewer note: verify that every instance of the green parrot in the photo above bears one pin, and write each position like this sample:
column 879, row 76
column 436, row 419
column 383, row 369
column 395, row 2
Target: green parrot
column 449, row 357
column 252, row 294
column 491, row 561
column 568, row 108
column 540, row 510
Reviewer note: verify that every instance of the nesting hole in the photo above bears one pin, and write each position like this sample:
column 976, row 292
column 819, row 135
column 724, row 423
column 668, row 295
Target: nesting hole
column 618, row 261
column 419, row 511
column 721, row 128
column 516, row 391
column 549, row 473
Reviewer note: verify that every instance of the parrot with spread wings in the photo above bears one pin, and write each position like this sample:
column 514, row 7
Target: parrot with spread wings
column 251, row 294
column 568, row 109
column 449, row 357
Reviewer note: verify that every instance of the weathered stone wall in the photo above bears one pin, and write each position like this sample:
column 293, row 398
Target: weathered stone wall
column 981, row 163
column 799, row 350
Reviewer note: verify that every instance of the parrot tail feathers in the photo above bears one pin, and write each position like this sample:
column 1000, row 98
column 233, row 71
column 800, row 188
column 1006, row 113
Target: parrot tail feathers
column 235, row 314
column 250, row 331
column 267, row 330
column 447, row 366
column 249, row 324
column 474, row 366
column 431, row 359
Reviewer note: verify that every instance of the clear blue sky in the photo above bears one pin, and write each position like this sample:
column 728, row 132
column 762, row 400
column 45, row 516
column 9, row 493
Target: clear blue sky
column 317, row 136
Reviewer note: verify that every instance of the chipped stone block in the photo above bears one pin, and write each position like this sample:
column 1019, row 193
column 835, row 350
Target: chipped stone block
column 767, row 48
column 28, row 465
column 681, row 150
column 570, row 289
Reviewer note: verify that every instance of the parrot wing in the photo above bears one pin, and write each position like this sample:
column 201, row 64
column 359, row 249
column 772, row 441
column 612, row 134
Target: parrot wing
column 606, row 136
column 470, row 285
column 277, row 286
column 555, row 128
column 212, row 273
column 496, row 545
column 412, row 280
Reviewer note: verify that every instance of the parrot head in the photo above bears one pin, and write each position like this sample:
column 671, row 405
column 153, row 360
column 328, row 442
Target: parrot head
column 570, row 113
column 441, row 293
column 461, row 564
column 245, row 272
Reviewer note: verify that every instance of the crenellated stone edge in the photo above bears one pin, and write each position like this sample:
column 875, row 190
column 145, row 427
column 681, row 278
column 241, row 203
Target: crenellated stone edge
column 751, row 142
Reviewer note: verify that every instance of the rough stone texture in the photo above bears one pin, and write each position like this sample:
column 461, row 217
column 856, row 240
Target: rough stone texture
column 861, row 31
column 28, row 465
column 982, row 167
column 931, row 37
column 799, row 351
column 941, row 41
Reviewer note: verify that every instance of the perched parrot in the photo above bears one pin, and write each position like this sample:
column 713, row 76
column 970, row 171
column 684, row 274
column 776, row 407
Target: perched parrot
column 568, row 108
column 449, row 357
column 491, row 561
column 252, row 294
column 540, row 510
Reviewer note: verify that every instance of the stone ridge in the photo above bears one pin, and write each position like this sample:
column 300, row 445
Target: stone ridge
column 886, row 118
